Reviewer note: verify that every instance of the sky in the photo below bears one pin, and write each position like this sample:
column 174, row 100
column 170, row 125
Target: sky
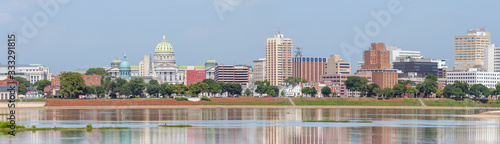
column 66, row 35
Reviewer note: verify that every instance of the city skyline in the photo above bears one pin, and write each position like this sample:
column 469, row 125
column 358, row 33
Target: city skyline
column 198, row 33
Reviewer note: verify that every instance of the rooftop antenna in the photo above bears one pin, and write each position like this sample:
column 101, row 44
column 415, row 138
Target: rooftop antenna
column 298, row 52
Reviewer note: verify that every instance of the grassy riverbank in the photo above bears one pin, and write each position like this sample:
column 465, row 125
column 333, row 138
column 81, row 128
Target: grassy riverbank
column 445, row 102
column 278, row 101
column 334, row 101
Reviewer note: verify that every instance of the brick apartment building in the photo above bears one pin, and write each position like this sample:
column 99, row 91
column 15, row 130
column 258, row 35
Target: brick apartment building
column 310, row 68
column 90, row 80
column 194, row 76
column 232, row 74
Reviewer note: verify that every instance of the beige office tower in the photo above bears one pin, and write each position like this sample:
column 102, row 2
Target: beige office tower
column 145, row 66
column 336, row 65
column 469, row 49
column 259, row 69
column 278, row 59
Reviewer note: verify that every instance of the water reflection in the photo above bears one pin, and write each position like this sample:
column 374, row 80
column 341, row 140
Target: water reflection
column 257, row 126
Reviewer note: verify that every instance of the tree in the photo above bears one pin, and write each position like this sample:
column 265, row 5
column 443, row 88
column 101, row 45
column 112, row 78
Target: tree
column 398, row 89
column 125, row 89
column 453, row 90
column 412, row 90
column 234, row 88
column 356, row 83
column 334, row 93
column 137, row 86
column 305, row 90
column 378, row 91
column 313, row 92
column 405, row 82
column 439, row 93
column 180, row 89
column 153, row 89
column 429, row 85
column 166, row 89
column 196, row 88
column 282, row 93
column 72, row 84
column 294, row 80
column 97, row 71
column 205, row 88
column 370, row 89
column 497, row 87
column 478, row 89
column 99, row 91
column 22, row 89
column 214, row 87
column 42, row 84
column 271, row 93
column 248, row 92
column 387, row 91
column 89, row 90
column 464, row 86
column 24, row 81
column 326, row 91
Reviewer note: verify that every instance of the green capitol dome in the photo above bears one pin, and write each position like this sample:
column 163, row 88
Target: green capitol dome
column 164, row 46
column 125, row 68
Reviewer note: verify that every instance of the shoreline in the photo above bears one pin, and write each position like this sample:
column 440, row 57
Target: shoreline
column 243, row 106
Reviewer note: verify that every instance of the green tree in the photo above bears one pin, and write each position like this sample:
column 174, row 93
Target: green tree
column 356, row 83
column 180, row 89
column 313, row 92
column 429, row 85
column 97, row 71
column 305, row 90
column 326, row 91
column 22, row 89
column 72, row 84
column 248, row 92
column 412, row 90
column 125, row 90
column 282, row 93
column 42, row 84
column 334, row 93
column 398, row 89
column 453, row 90
column 370, row 88
column 271, row 93
column 89, row 90
column 405, row 82
column 378, row 91
column 478, row 89
column 439, row 93
column 294, row 80
column 194, row 89
column 497, row 87
column 387, row 92
column 166, row 89
column 464, row 86
column 137, row 86
column 99, row 91
column 24, row 81
column 153, row 89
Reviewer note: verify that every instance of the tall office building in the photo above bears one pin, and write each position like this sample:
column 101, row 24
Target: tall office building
column 278, row 59
column 396, row 54
column 377, row 60
column 492, row 58
column 309, row 68
column 259, row 69
column 336, row 65
column 469, row 49
column 377, row 57
column 145, row 66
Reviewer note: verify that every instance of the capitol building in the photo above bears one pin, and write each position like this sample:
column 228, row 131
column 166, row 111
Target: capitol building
column 161, row 66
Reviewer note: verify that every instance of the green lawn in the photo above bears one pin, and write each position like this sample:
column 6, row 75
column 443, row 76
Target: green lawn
column 357, row 101
column 445, row 102
column 249, row 103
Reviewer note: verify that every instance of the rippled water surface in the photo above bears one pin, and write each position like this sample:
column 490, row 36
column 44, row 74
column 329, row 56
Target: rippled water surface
column 241, row 126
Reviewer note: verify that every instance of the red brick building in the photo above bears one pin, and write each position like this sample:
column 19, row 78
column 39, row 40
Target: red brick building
column 310, row 68
column 90, row 80
column 194, row 76
column 377, row 57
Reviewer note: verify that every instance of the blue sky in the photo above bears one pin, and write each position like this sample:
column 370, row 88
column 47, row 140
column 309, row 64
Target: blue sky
column 91, row 33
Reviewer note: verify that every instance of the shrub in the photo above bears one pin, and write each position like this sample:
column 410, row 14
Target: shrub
column 205, row 98
column 181, row 99
column 89, row 126
column 483, row 100
column 33, row 126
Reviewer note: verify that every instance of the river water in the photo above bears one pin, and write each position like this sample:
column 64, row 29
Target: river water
column 257, row 125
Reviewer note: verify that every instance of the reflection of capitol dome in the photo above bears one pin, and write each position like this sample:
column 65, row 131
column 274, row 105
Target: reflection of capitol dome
column 164, row 46
column 116, row 63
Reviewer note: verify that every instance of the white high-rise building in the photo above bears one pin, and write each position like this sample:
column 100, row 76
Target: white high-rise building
column 31, row 72
column 397, row 54
column 492, row 58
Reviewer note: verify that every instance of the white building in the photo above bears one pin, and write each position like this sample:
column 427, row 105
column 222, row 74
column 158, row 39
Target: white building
column 397, row 54
column 31, row 72
column 472, row 76
column 492, row 58
column 292, row 91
